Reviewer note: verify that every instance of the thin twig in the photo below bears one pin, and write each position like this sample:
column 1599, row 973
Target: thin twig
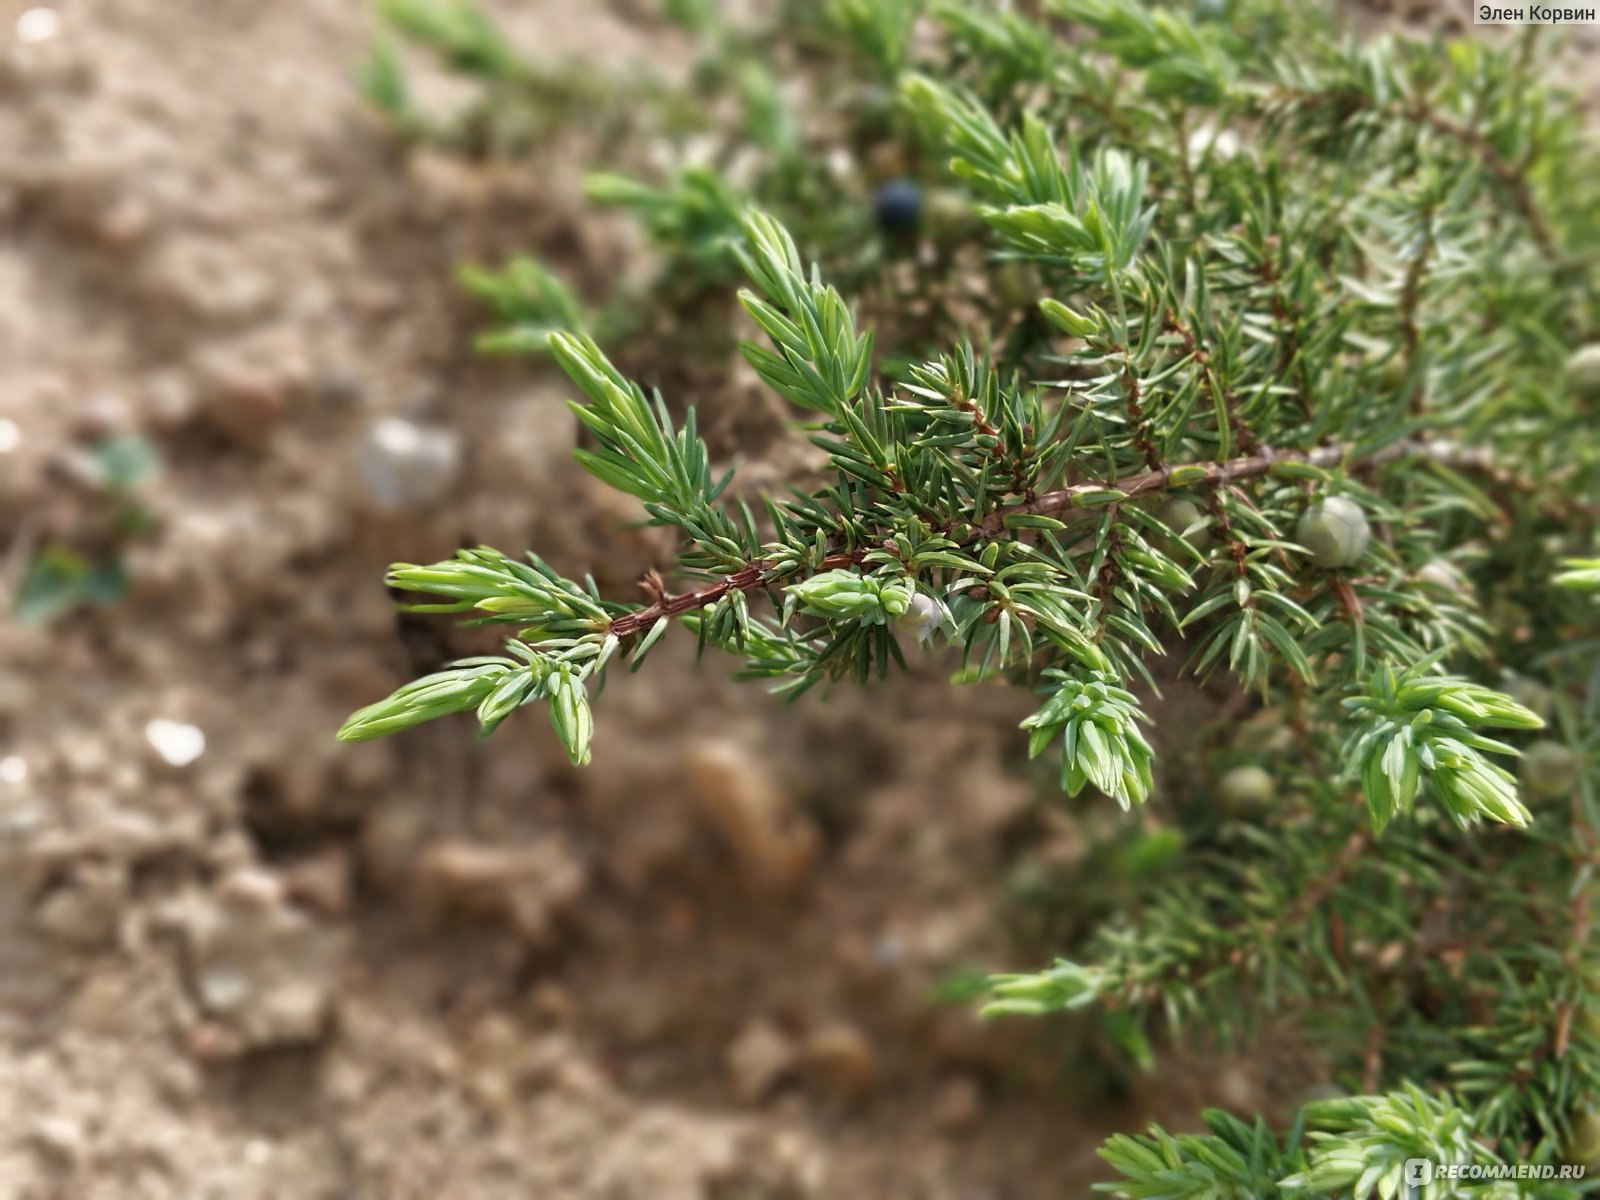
column 1310, row 901
column 745, row 580
column 1510, row 178
column 1141, row 428
column 1192, row 346
column 1289, row 346
column 1513, row 181
column 1317, row 894
column 1069, row 500
column 1348, row 600
column 1372, row 1059
column 1579, row 916
column 1220, row 473
column 1410, row 298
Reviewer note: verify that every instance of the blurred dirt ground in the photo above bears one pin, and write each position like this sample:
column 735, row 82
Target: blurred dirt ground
column 701, row 968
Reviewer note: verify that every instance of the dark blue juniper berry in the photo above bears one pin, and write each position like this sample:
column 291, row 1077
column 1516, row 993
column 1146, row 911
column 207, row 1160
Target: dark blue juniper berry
column 897, row 207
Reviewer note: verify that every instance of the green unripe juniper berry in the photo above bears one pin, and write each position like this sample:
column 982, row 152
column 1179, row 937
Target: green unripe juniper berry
column 1245, row 790
column 1334, row 531
column 1583, row 373
column 1187, row 520
column 1016, row 285
column 1549, row 769
column 1589, row 1018
column 1581, row 1146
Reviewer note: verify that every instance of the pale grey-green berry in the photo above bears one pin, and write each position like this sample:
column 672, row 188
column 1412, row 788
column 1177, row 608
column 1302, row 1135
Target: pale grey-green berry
column 1244, row 790
column 1590, row 1017
column 1529, row 693
column 948, row 212
column 1394, row 373
column 1186, row 519
column 922, row 617
column 1017, row 284
column 1334, row 531
column 1441, row 575
column 1581, row 1146
column 1583, row 373
column 1549, row 769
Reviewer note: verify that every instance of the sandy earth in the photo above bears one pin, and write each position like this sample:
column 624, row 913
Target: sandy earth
column 701, row 968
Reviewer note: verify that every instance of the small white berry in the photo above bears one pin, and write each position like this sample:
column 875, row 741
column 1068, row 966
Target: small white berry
column 1440, row 574
column 1244, row 790
column 38, row 25
column 1334, row 531
column 922, row 618
column 175, row 741
column 1583, row 373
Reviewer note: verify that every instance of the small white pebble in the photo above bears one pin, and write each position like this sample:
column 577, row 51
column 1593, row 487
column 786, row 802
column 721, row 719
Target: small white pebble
column 21, row 820
column 252, row 886
column 257, row 1152
column 176, row 742
column 61, row 1136
column 222, row 989
column 38, row 25
column 405, row 464
column 889, row 950
column 661, row 153
column 699, row 151
column 13, row 769
column 396, row 436
column 10, row 435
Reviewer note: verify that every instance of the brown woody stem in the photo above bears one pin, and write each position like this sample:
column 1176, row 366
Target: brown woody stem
column 746, row 580
column 1067, row 500
column 1510, row 178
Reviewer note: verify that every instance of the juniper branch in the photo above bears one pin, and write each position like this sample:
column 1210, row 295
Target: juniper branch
column 1511, row 179
column 1082, row 496
column 757, row 575
column 1079, row 499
